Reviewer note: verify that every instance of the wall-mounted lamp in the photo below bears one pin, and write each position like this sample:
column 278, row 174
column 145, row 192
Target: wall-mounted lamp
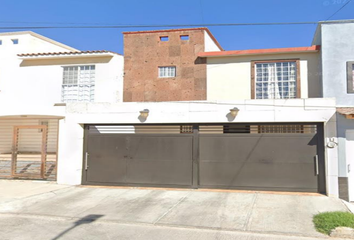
column 144, row 113
column 234, row 111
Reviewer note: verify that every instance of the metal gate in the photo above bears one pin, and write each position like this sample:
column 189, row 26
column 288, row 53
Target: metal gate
column 138, row 159
column 287, row 157
column 29, row 160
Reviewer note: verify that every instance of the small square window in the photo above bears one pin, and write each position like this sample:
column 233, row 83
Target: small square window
column 164, row 38
column 14, row 41
column 166, row 72
column 184, row 37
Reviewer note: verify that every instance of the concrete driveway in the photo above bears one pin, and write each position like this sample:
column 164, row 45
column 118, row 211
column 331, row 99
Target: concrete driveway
column 288, row 214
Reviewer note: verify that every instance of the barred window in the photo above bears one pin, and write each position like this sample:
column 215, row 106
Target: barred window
column 276, row 80
column 78, row 84
column 165, row 72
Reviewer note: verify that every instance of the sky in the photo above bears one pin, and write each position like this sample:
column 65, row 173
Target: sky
column 29, row 13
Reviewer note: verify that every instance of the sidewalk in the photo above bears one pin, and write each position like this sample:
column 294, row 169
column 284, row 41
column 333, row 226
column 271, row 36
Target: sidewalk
column 228, row 214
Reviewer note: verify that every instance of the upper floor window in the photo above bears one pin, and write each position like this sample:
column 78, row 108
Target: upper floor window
column 14, row 41
column 78, row 84
column 164, row 38
column 275, row 79
column 166, row 72
column 350, row 77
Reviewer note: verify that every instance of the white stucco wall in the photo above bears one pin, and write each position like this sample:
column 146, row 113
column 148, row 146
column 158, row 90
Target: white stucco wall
column 209, row 43
column 229, row 78
column 38, row 82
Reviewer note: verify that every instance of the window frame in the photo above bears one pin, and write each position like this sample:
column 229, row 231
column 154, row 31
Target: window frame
column 77, row 84
column 253, row 79
column 158, row 71
column 350, row 85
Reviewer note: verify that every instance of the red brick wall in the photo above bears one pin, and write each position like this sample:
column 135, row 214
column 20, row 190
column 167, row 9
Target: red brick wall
column 144, row 53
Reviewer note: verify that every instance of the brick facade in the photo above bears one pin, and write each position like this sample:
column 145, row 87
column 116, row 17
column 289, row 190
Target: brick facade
column 144, row 52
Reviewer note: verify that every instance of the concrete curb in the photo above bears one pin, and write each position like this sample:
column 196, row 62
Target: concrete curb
column 348, row 205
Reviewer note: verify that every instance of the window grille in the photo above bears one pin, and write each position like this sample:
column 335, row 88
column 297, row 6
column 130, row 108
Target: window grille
column 276, row 80
column 165, row 72
column 186, row 129
column 78, row 84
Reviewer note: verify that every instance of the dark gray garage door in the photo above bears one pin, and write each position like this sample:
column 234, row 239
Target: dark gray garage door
column 264, row 157
column 143, row 159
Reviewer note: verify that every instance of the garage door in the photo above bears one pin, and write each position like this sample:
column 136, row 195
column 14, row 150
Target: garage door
column 129, row 155
column 264, row 157
column 236, row 156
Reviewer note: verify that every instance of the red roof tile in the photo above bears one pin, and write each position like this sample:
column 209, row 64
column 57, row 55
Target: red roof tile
column 345, row 110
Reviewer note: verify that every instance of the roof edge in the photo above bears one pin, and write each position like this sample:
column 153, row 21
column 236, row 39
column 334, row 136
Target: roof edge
column 95, row 52
column 40, row 37
column 313, row 48
column 179, row 30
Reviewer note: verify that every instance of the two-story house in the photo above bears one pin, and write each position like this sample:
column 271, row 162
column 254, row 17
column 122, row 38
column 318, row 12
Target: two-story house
column 197, row 116
column 37, row 73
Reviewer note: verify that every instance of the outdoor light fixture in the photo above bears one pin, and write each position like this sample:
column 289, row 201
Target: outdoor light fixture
column 144, row 113
column 234, row 111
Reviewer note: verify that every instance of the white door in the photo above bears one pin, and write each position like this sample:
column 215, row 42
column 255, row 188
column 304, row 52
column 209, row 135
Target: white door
column 350, row 162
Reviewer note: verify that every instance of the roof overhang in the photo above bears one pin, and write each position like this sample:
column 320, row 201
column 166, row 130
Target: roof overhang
column 237, row 53
column 64, row 55
column 348, row 112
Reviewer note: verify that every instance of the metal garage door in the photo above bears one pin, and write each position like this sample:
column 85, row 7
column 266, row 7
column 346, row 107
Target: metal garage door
column 260, row 157
column 117, row 156
column 265, row 157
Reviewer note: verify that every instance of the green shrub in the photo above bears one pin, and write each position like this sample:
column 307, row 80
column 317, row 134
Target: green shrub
column 325, row 222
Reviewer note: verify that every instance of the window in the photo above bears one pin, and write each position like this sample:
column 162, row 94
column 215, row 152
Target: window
column 14, row 41
column 78, row 84
column 164, row 38
column 184, row 37
column 166, row 72
column 274, row 80
column 350, row 77
column 0, row 42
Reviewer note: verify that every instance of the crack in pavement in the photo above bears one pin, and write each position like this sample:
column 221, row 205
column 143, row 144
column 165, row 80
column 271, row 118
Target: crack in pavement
column 249, row 215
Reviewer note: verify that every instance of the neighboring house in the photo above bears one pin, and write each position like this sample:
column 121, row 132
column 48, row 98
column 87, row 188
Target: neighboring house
column 196, row 116
column 337, row 64
column 37, row 73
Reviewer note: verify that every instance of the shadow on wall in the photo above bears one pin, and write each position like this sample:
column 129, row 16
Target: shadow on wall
column 230, row 117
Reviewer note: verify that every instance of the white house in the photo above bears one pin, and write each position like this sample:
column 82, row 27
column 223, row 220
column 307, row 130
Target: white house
column 38, row 73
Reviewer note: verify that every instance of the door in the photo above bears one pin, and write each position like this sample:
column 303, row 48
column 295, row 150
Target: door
column 349, row 149
column 29, row 151
column 138, row 159
column 259, row 161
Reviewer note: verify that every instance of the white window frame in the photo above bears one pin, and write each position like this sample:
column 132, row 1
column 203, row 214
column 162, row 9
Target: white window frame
column 167, row 71
column 78, row 83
